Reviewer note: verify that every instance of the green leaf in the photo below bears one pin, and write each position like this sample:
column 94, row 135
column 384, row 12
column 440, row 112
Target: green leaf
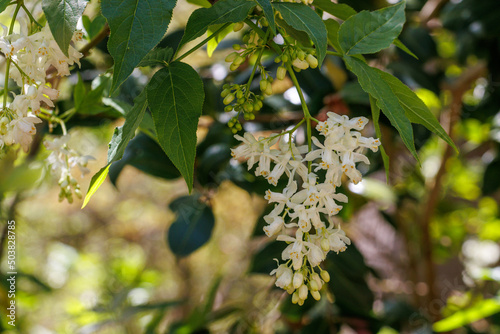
column 123, row 134
column 145, row 154
column 376, row 116
column 157, row 56
column 223, row 11
column 95, row 26
column 372, row 83
column 268, row 10
column 136, row 27
column 298, row 35
column 193, row 226
column 370, row 32
column 62, row 16
column 332, row 28
column 201, row 3
column 4, row 4
column 339, row 10
column 403, row 47
column 415, row 108
column 478, row 311
column 175, row 97
column 303, row 18
column 89, row 102
column 95, row 183
column 214, row 42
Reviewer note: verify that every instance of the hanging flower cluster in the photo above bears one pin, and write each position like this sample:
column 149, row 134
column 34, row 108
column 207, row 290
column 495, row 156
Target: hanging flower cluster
column 31, row 56
column 301, row 209
column 61, row 160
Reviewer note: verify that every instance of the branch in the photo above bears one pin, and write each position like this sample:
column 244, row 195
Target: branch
column 458, row 89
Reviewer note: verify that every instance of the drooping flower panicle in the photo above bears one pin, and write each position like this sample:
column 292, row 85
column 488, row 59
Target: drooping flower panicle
column 298, row 211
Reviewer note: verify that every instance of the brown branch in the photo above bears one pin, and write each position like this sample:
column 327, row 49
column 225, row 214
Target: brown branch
column 458, row 89
column 96, row 40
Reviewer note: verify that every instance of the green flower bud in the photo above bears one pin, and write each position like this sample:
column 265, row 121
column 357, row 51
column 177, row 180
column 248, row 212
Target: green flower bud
column 228, row 99
column 316, row 295
column 281, row 73
column 239, row 94
column 239, row 60
column 228, row 108
column 240, row 100
column 236, row 47
column 263, row 85
column 225, row 93
column 231, row 57
column 233, row 67
column 277, row 59
column 284, row 57
column 301, row 55
column 301, row 64
column 269, row 90
column 238, row 26
column 313, row 285
column 325, row 276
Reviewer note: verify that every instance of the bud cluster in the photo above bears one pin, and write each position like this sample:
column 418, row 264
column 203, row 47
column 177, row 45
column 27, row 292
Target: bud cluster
column 300, row 60
column 300, row 211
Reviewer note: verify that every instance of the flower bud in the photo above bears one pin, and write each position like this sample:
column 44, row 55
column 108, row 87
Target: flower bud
column 233, row 67
column 303, row 291
column 225, row 93
column 281, row 73
column 238, row 26
column 239, row 94
column 269, row 90
column 263, row 85
column 325, row 245
column 316, row 295
column 231, row 57
column 228, row 99
column 295, row 297
column 313, row 285
column 284, row 57
column 301, row 64
column 312, row 61
column 301, row 55
column 239, row 60
column 325, row 276
column 236, row 47
column 298, row 279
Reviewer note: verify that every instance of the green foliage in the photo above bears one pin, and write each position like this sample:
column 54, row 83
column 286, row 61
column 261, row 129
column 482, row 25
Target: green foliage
column 369, row 32
column 340, row 10
column 62, row 16
column 223, row 11
column 303, row 18
column 267, row 7
column 175, row 96
column 95, row 183
column 145, row 154
column 193, row 226
column 4, row 4
column 95, row 26
column 157, row 56
column 372, row 83
column 136, row 27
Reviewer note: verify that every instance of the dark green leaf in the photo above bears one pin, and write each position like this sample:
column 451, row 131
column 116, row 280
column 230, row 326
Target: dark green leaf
column 223, row 11
column 491, row 177
column 376, row 116
column 303, row 18
column 62, row 16
column 201, row 3
column 4, row 4
column 175, row 97
column 339, row 10
column 403, row 47
column 332, row 28
column 193, row 226
column 123, row 134
column 136, row 27
column 145, row 154
column 89, row 102
column 157, row 56
column 370, row 32
column 298, row 35
column 268, row 10
column 371, row 81
column 415, row 108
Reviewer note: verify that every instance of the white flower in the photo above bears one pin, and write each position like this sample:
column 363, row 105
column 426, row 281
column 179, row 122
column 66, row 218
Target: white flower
column 284, row 276
column 294, row 251
column 274, row 227
column 21, row 131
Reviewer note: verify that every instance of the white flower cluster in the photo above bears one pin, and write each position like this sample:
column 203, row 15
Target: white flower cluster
column 301, row 210
column 31, row 56
column 61, row 160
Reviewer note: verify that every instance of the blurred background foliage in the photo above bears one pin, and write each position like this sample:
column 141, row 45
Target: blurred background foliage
column 145, row 257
